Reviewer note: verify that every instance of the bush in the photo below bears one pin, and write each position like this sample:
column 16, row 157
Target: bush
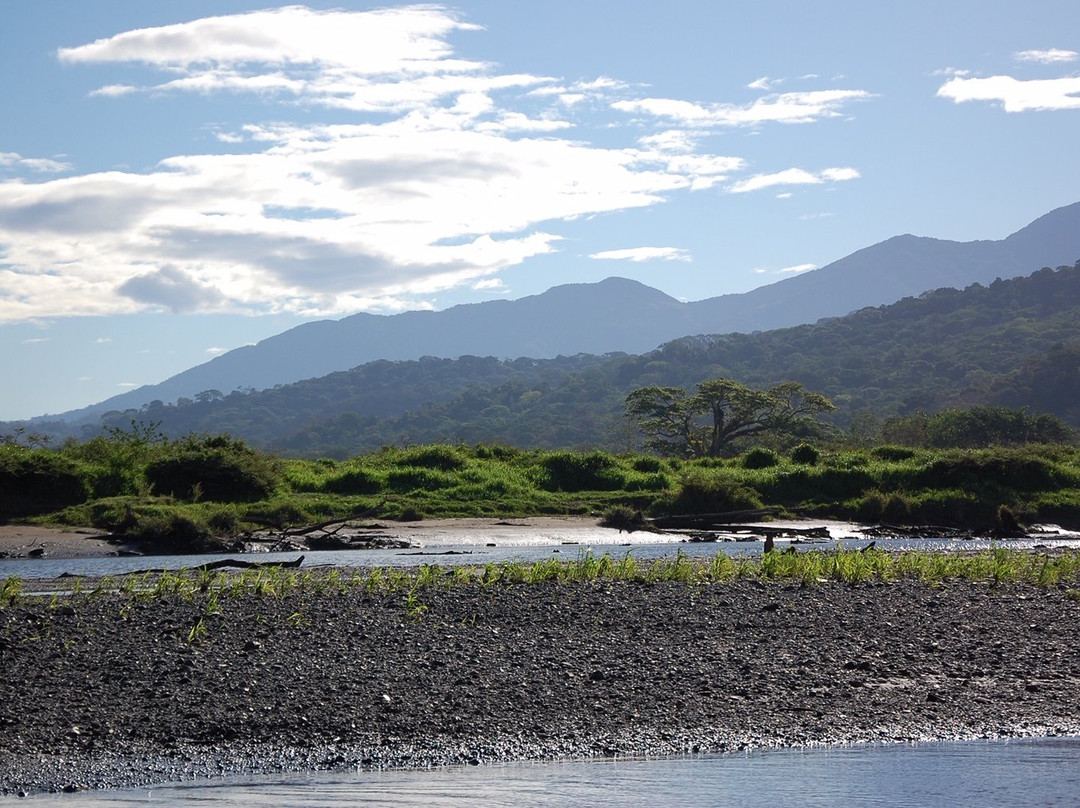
column 805, row 454
column 760, row 459
column 647, row 465
column 217, row 469
column 162, row 530
column 581, row 471
column 35, row 481
column 1001, row 468
column 409, row 514
column 353, row 481
column 894, row 454
column 705, row 490
column 415, row 478
column 440, row 458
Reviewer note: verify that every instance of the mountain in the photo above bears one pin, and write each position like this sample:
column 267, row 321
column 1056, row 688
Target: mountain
column 616, row 315
column 899, row 267
column 1013, row 343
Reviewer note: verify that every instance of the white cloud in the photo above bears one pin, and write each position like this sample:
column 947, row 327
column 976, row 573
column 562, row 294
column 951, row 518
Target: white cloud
column 951, row 72
column 1015, row 95
column 34, row 340
column 641, row 254
column 128, row 385
column 463, row 172
column 763, row 83
column 103, row 340
column 337, row 59
column 1047, row 57
column 797, row 107
column 840, row 174
column 791, row 270
column 114, row 90
column 42, row 165
column 216, row 351
column 792, row 176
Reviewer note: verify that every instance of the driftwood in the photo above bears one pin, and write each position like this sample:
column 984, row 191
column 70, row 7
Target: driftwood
column 229, row 562
column 284, row 532
column 706, row 521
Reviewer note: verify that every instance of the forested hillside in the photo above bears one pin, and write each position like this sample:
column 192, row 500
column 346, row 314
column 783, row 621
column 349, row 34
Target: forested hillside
column 1015, row 343
column 614, row 315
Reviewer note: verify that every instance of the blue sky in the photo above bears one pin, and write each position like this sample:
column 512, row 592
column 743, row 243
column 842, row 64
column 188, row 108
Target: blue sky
column 182, row 178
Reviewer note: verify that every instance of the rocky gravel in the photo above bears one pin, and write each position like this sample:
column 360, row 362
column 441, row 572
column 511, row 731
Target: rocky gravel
column 110, row 692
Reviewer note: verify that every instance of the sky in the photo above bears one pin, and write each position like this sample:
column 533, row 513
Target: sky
column 178, row 179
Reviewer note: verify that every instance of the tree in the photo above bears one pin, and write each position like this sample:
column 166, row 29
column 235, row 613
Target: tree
column 718, row 414
column 666, row 416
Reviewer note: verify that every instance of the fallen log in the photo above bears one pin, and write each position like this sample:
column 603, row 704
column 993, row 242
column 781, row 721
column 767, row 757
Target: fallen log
column 705, row 521
column 228, row 562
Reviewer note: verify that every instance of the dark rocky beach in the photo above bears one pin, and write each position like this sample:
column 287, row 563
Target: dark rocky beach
column 110, row 692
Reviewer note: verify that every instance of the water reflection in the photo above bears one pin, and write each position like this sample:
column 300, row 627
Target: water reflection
column 985, row 773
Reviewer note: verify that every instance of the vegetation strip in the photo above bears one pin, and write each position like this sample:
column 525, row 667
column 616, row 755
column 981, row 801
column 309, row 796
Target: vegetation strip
column 210, row 582
column 203, row 493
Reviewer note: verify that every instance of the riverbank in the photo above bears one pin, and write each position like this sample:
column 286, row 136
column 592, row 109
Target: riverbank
column 36, row 541
column 111, row 691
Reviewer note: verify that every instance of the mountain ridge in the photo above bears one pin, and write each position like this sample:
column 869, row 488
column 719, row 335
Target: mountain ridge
column 593, row 318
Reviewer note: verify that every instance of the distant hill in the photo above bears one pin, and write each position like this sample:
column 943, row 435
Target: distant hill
column 1014, row 343
column 616, row 315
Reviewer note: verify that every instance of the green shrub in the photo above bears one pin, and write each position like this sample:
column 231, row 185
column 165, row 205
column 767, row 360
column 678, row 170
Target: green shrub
column 647, row 465
column 953, row 507
column 278, row 514
column 581, row 471
column 409, row 514
column 805, row 454
column 440, row 458
column 413, row 478
column 871, row 508
column 1015, row 470
column 223, row 522
column 35, row 481
column 710, row 490
column 173, row 534
column 216, row 468
column 894, row 454
column 353, row 481
column 760, row 459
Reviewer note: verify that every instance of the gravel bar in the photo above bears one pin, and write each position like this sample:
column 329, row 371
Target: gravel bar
column 111, row 692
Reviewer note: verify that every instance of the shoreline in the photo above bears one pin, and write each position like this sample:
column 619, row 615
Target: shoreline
column 17, row 541
column 97, row 694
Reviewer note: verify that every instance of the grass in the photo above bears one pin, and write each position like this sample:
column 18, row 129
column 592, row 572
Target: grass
column 210, row 589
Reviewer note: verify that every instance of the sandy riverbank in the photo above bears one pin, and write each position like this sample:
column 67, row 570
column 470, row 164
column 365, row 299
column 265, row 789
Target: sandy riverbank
column 106, row 694
column 26, row 541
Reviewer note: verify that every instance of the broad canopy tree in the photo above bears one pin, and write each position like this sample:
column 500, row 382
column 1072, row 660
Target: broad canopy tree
column 706, row 423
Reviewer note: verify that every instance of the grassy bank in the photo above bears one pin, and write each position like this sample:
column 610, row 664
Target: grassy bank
column 210, row 587
column 195, row 493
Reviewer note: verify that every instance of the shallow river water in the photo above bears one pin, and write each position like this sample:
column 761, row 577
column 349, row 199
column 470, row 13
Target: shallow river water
column 1016, row 773
column 513, row 544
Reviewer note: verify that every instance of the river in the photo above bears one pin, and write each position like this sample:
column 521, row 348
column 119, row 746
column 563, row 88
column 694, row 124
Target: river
column 497, row 544
column 982, row 774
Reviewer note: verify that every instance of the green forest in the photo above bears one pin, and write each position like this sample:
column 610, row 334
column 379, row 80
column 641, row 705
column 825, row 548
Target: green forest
column 956, row 408
column 1014, row 344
